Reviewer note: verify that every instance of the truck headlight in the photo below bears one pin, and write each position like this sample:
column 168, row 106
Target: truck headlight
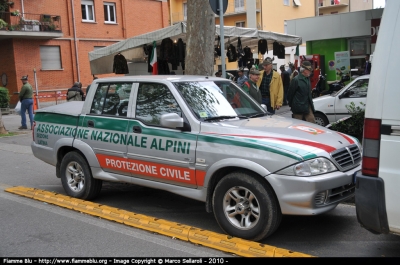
column 311, row 167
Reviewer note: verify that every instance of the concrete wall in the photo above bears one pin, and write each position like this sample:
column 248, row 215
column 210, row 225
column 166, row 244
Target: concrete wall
column 345, row 25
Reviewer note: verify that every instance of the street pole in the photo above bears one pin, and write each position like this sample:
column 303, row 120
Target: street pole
column 221, row 28
column 36, row 88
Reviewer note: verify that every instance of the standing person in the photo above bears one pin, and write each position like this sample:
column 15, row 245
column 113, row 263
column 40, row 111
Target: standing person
column 242, row 77
column 271, row 87
column 289, row 70
column 75, row 93
column 294, row 71
column 299, row 96
column 250, row 86
column 25, row 97
column 367, row 67
column 219, row 73
column 286, row 83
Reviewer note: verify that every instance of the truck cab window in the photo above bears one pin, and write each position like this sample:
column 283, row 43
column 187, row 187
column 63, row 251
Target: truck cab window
column 154, row 100
column 111, row 99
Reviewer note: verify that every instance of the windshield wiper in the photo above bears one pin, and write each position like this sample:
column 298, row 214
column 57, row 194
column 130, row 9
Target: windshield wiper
column 261, row 114
column 224, row 117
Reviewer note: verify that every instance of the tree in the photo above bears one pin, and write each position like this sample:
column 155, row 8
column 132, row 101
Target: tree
column 200, row 38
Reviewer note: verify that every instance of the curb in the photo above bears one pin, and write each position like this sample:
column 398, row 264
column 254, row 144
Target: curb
column 240, row 247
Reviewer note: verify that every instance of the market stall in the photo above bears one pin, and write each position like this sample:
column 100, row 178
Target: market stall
column 134, row 49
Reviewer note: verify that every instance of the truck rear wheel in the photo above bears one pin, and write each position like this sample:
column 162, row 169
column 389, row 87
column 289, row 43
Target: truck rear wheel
column 246, row 208
column 76, row 177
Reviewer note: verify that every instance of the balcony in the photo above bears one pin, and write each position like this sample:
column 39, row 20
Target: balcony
column 30, row 26
column 232, row 10
column 330, row 4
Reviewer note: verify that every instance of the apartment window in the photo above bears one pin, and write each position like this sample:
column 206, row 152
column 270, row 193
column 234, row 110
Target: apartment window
column 286, row 2
column 240, row 24
column 285, row 27
column 239, row 5
column 109, row 13
column 50, row 57
column 321, row 2
column 87, row 10
column 184, row 11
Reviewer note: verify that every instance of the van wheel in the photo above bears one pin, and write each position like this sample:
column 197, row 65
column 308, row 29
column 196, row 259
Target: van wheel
column 76, row 177
column 320, row 119
column 246, row 208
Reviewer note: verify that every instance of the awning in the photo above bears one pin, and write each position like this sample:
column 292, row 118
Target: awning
column 101, row 60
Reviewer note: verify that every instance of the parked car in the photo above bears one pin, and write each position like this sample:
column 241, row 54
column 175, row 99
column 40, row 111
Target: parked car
column 331, row 108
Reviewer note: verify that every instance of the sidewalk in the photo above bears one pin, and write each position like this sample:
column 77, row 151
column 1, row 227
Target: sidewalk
column 13, row 121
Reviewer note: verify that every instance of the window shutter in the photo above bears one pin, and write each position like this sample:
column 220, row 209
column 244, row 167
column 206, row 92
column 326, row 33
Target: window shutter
column 50, row 57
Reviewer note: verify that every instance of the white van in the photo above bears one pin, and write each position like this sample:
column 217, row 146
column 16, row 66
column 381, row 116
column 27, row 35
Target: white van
column 378, row 183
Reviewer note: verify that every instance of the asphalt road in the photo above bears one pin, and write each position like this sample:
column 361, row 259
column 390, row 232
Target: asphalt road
column 33, row 228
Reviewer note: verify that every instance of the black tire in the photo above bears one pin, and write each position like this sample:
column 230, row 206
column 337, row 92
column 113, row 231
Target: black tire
column 76, row 177
column 246, row 208
column 320, row 119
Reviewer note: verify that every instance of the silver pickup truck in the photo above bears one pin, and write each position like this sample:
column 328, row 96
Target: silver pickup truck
column 202, row 138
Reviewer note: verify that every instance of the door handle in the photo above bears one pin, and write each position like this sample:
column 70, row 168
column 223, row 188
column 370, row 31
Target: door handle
column 90, row 124
column 137, row 129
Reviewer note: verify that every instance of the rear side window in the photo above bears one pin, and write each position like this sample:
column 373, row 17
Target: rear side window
column 111, row 99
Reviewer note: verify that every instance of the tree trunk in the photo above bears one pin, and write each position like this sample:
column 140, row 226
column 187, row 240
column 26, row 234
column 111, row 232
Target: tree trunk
column 2, row 127
column 200, row 38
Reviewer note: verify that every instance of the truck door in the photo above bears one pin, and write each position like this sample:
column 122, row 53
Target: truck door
column 154, row 152
column 105, row 127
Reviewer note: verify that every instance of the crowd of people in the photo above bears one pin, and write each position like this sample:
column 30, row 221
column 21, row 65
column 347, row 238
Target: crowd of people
column 292, row 87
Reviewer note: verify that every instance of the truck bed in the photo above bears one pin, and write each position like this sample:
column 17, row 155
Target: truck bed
column 73, row 108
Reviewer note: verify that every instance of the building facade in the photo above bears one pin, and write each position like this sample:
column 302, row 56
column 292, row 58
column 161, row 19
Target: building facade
column 264, row 15
column 49, row 40
column 330, row 7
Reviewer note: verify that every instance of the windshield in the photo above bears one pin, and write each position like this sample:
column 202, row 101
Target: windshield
column 212, row 99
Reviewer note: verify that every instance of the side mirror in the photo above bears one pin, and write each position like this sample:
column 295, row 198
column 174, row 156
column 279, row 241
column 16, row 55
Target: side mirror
column 172, row 120
column 264, row 107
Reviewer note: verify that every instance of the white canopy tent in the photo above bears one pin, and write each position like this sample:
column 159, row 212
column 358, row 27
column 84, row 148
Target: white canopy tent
column 101, row 60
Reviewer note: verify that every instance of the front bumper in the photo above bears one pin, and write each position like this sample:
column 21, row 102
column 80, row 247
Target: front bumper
column 370, row 204
column 313, row 195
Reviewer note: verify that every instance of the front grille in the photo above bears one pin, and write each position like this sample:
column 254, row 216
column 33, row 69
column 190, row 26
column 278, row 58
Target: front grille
column 347, row 157
column 335, row 195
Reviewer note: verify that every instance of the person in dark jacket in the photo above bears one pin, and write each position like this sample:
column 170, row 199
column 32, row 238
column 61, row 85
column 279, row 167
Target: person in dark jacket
column 299, row 95
column 75, row 93
column 286, row 83
column 250, row 86
column 367, row 66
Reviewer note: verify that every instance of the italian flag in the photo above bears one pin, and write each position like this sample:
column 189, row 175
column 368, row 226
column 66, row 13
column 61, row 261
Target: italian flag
column 153, row 59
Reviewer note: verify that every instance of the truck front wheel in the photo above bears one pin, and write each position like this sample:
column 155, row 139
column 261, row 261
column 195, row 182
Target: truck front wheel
column 76, row 177
column 245, row 207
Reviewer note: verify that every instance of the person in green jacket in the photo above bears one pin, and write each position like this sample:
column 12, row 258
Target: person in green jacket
column 25, row 97
column 299, row 96
column 250, row 86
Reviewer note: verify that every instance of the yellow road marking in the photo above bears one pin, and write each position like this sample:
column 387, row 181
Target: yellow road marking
column 238, row 246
